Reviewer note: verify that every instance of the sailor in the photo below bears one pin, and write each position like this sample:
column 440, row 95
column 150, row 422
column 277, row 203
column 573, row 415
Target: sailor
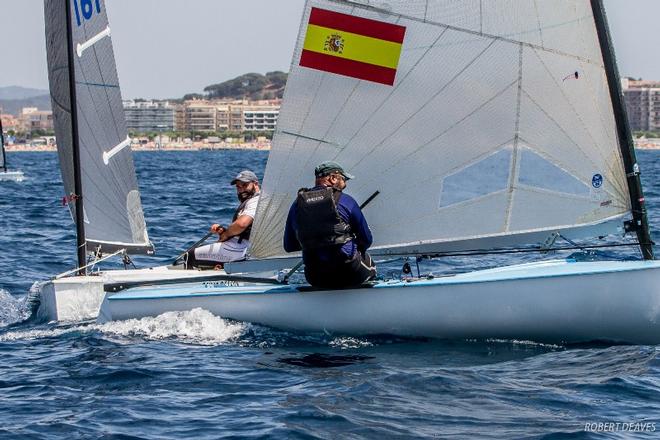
column 233, row 241
column 330, row 229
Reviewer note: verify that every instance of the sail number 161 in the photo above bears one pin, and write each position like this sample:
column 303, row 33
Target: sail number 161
column 87, row 9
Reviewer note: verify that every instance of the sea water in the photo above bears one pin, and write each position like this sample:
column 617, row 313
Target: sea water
column 195, row 375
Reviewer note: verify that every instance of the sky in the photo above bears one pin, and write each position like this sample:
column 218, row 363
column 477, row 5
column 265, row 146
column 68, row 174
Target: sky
column 167, row 48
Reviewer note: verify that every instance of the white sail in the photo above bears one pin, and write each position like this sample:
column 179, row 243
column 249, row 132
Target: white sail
column 498, row 127
column 112, row 207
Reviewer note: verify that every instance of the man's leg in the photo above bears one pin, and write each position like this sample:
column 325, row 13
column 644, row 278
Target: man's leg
column 215, row 254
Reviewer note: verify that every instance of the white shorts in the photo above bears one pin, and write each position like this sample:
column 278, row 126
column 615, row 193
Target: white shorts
column 223, row 252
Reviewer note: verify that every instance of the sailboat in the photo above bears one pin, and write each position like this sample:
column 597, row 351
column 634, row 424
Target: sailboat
column 6, row 174
column 96, row 163
column 483, row 127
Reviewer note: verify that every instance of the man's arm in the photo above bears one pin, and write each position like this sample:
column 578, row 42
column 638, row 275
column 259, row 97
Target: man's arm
column 238, row 226
column 290, row 242
column 359, row 226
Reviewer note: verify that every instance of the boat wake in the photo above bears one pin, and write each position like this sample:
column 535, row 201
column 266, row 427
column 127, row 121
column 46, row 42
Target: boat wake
column 13, row 309
column 197, row 327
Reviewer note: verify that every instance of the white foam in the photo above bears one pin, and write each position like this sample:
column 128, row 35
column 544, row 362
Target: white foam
column 196, row 326
column 348, row 342
column 524, row 343
column 12, row 309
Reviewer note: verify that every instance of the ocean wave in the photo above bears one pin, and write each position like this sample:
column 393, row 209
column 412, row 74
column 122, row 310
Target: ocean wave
column 197, row 326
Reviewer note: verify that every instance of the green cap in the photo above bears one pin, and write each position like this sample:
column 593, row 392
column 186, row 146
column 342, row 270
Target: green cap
column 327, row 167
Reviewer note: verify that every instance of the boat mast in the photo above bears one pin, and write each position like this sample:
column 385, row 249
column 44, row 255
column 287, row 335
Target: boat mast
column 78, row 194
column 2, row 146
column 640, row 221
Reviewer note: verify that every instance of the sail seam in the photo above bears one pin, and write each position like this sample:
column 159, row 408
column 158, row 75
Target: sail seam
column 514, row 170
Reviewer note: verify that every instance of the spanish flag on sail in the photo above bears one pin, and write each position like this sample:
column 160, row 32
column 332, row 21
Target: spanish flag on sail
column 352, row 46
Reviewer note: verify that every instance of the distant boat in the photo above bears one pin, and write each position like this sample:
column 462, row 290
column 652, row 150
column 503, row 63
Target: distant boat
column 461, row 119
column 101, row 188
column 6, row 174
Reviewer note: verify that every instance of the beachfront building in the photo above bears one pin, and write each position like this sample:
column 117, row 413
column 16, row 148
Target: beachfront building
column 9, row 122
column 32, row 119
column 228, row 115
column 642, row 104
column 260, row 117
column 149, row 116
column 200, row 116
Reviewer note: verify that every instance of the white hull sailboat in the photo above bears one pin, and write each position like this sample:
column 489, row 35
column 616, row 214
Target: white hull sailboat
column 16, row 176
column 96, row 163
column 554, row 301
column 480, row 130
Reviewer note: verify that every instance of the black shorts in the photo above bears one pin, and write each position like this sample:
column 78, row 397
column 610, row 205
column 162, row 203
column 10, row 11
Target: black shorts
column 348, row 273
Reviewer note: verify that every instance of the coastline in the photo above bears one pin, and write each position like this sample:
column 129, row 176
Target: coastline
column 644, row 144
column 151, row 146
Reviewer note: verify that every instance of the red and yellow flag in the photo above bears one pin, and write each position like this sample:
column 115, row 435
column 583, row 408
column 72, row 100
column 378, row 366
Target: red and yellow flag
column 352, row 46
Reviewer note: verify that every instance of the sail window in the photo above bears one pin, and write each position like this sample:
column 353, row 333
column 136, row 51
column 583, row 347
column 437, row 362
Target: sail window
column 484, row 177
column 538, row 172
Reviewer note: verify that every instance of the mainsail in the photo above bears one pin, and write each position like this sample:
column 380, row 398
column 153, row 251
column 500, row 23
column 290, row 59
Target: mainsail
column 496, row 131
column 112, row 213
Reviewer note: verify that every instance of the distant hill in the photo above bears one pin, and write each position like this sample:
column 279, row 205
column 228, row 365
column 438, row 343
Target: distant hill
column 15, row 93
column 14, row 106
column 252, row 86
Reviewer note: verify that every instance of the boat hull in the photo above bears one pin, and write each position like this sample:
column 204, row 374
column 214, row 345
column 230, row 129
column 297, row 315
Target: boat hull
column 16, row 176
column 78, row 298
column 558, row 301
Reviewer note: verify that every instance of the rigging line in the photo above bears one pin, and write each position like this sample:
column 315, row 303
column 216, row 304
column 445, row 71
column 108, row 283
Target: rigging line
column 538, row 22
column 514, row 169
column 481, row 34
column 473, row 252
column 577, row 114
column 423, row 106
column 396, row 87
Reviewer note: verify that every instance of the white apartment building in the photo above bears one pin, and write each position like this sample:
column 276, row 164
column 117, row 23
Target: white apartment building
column 642, row 100
column 148, row 116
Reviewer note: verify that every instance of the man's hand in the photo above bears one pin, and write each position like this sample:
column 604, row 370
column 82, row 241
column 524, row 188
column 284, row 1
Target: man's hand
column 217, row 229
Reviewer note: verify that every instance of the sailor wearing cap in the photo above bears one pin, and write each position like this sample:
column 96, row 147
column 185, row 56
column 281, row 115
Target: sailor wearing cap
column 330, row 229
column 233, row 241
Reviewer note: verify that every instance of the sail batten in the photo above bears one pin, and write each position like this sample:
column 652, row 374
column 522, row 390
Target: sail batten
column 82, row 65
column 498, row 123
